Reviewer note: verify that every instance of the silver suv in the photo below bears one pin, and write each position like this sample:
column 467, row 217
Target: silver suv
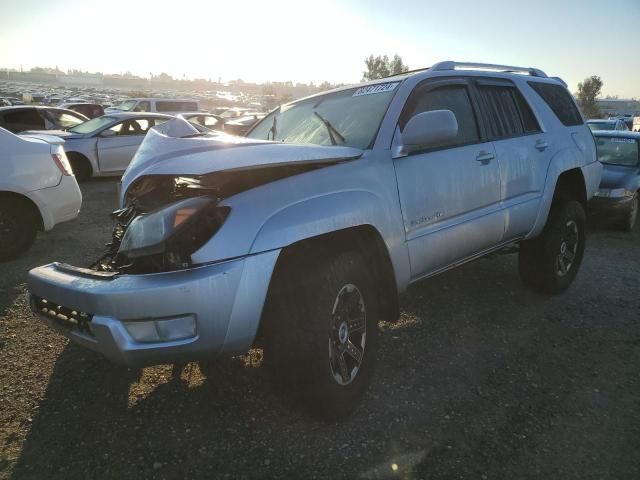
column 299, row 237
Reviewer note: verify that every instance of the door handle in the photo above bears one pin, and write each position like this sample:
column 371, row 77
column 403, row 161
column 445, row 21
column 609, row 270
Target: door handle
column 541, row 144
column 484, row 157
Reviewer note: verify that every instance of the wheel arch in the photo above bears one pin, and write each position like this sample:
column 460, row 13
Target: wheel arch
column 34, row 210
column 74, row 154
column 364, row 239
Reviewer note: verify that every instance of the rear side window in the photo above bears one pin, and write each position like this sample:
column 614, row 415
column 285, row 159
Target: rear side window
column 175, row 106
column 559, row 100
column 23, row 119
column 507, row 114
column 454, row 98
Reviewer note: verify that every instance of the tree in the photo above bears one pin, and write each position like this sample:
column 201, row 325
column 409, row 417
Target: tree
column 381, row 66
column 588, row 90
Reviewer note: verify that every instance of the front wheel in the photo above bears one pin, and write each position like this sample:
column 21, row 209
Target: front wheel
column 550, row 262
column 323, row 333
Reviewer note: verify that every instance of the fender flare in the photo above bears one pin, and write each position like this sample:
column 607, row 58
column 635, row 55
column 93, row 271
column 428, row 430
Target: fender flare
column 332, row 212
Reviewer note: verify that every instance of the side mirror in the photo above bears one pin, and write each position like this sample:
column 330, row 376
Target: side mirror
column 429, row 129
column 107, row 133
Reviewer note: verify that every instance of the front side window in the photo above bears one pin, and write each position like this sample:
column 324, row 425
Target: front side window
column 348, row 117
column 450, row 97
column 138, row 126
column 559, row 101
column 617, row 151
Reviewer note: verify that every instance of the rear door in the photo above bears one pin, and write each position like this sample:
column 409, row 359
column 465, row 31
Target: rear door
column 450, row 195
column 522, row 149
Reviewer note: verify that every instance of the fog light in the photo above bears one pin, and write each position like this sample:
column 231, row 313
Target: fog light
column 143, row 331
column 162, row 330
column 177, row 328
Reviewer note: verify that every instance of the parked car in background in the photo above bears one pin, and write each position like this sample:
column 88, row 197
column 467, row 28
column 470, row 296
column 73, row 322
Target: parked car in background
column 209, row 121
column 242, row 125
column 156, row 105
column 617, row 197
column 37, row 190
column 89, row 110
column 636, row 124
column 20, row 118
column 626, row 118
column 105, row 145
column 298, row 237
column 603, row 125
column 8, row 101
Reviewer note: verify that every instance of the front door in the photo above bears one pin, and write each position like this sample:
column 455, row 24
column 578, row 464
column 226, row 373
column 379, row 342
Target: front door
column 115, row 150
column 450, row 196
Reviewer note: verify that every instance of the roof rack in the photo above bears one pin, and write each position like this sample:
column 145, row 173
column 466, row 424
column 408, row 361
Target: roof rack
column 451, row 65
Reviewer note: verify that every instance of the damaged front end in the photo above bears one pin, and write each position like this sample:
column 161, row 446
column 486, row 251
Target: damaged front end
column 166, row 218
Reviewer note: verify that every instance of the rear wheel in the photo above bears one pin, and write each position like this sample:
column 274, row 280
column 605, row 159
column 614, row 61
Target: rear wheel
column 631, row 218
column 18, row 228
column 80, row 166
column 322, row 339
column 550, row 262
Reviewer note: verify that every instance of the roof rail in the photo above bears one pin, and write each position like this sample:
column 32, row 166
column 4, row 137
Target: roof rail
column 451, row 65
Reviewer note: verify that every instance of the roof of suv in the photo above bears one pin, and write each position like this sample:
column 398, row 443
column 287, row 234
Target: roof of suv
column 459, row 68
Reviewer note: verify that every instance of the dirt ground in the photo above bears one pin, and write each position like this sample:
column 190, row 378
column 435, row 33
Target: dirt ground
column 480, row 379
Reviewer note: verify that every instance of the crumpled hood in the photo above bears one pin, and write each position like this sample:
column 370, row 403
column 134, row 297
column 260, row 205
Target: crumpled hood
column 614, row 176
column 162, row 154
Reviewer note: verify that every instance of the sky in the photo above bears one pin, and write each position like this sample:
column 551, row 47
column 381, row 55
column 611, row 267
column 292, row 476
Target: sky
column 301, row 41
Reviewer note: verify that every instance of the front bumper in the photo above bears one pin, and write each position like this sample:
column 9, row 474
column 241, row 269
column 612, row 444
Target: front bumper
column 226, row 300
column 610, row 206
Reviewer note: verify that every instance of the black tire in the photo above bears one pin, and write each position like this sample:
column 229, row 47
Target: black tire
column 80, row 166
column 304, row 335
column 549, row 263
column 18, row 227
column 630, row 219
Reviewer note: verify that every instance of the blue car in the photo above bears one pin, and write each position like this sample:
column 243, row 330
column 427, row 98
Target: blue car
column 617, row 197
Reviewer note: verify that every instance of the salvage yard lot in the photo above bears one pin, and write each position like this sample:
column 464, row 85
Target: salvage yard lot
column 480, row 379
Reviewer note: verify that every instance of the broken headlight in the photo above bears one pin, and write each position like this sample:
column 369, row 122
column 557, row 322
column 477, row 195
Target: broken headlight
column 181, row 229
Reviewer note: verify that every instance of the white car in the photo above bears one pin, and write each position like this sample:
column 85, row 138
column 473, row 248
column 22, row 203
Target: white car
column 37, row 190
column 105, row 145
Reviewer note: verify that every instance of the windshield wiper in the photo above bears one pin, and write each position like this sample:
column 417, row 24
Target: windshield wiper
column 333, row 133
column 273, row 130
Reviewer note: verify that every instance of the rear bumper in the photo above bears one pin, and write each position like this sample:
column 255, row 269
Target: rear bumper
column 225, row 299
column 60, row 203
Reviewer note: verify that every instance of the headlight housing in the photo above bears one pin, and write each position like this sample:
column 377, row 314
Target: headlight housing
column 181, row 228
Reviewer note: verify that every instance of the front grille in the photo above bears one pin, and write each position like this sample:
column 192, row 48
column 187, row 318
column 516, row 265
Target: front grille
column 64, row 316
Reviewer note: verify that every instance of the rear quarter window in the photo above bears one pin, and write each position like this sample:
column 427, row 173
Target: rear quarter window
column 559, row 101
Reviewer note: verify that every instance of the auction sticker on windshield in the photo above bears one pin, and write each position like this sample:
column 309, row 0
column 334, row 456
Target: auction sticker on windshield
column 379, row 88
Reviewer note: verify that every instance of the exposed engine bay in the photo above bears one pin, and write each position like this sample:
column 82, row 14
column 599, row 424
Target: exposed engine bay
column 166, row 218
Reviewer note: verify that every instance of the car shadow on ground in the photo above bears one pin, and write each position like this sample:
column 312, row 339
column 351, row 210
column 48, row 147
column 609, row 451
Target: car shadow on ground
column 478, row 378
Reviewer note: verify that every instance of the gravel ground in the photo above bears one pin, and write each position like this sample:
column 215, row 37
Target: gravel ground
column 480, row 379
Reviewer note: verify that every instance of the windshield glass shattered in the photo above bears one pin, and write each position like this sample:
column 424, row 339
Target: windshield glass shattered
column 618, row 151
column 349, row 117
